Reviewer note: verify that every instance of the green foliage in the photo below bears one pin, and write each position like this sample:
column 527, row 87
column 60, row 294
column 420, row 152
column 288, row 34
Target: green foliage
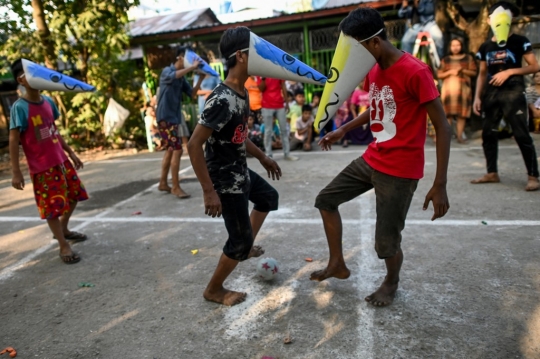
column 88, row 36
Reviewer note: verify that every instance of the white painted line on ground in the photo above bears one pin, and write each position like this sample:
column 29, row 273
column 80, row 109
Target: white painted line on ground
column 365, row 278
column 8, row 271
column 417, row 222
column 361, row 149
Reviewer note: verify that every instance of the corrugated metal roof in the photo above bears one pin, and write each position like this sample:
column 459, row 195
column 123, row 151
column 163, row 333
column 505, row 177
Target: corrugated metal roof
column 173, row 22
column 337, row 3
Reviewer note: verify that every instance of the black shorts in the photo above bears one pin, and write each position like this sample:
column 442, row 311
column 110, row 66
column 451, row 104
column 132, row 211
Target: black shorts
column 235, row 212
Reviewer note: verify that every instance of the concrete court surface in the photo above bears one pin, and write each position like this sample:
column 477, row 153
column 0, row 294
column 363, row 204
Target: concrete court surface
column 468, row 289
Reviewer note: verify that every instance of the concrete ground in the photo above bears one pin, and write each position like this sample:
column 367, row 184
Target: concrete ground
column 470, row 283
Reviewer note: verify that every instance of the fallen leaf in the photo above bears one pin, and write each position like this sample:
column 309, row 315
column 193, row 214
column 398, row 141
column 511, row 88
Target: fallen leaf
column 194, row 251
column 309, row 259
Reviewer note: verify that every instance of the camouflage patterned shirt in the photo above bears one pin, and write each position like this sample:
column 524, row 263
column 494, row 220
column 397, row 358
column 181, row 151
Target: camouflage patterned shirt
column 226, row 112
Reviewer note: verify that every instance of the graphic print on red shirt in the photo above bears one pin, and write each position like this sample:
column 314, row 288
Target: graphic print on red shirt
column 39, row 137
column 398, row 117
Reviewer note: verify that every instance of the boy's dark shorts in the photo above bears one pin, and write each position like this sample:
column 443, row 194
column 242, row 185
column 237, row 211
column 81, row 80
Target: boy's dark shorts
column 235, row 212
column 393, row 198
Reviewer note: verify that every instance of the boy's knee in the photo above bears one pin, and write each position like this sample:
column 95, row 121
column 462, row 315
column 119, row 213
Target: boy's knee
column 270, row 203
column 325, row 202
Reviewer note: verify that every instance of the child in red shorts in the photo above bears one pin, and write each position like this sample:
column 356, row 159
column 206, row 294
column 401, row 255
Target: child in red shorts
column 57, row 188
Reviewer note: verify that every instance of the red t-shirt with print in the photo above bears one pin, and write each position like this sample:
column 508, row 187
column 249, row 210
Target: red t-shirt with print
column 272, row 96
column 398, row 117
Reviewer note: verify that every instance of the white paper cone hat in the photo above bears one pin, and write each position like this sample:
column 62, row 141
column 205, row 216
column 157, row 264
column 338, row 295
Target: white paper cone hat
column 267, row 60
column 42, row 78
column 190, row 57
column 350, row 65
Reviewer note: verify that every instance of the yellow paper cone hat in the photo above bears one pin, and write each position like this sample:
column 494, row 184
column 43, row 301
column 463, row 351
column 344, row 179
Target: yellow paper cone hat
column 43, row 78
column 267, row 60
column 350, row 65
column 500, row 21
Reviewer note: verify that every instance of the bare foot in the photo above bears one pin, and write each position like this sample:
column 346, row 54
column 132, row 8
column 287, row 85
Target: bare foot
column 256, row 251
column 164, row 188
column 179, row 192
column 532, row 184
column 225, row 297
column 492, row 177
column 339, row 272
column 384, row 295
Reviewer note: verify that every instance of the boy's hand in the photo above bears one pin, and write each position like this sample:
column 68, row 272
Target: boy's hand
column 76, row 161
column 477, row 106
column 271, row 167
column 437, row 194
column 330, row 138
column 18, row 181
column 499, row 78
column 212, row 204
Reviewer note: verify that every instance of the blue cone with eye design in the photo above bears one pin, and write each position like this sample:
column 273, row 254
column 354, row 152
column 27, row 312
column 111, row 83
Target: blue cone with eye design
column 42, row 78
column 267, row 60
column 190, row 57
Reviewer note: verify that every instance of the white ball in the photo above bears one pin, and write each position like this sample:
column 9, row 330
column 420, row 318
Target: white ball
column 267, row 268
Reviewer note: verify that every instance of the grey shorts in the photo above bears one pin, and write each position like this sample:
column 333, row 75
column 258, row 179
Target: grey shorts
column 393, row 198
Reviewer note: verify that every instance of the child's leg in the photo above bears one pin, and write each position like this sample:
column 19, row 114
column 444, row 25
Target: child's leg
column 175, row 168
column 236, row 216
column 354, row 180
column 393, row 199
column 265, row 199
column 65, row 250
column 64, row 220
column 387, row 291
column 165, row 166
column 336, row 264
column 460, row 127
column 215, row 292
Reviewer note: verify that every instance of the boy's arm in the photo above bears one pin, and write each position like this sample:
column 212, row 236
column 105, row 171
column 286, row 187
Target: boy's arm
column 18, row 180
column 535, row 111
column 334, row 136
column 262, row 84
column 532, row 67
column 271, row 167
column 480, row 83
column 437, row 193
column 76, row 161
column 212, row 203
column 197, row 87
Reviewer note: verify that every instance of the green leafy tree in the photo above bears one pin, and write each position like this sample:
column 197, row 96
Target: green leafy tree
column 88, row 36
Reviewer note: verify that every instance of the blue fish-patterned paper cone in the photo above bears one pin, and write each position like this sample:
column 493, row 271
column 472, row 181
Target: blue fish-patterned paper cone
column 350, row 64
column 190, row 57
column 42, row 78
column 267, row 60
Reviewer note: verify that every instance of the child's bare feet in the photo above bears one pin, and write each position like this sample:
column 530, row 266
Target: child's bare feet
column 492, row 177
column 179, row 192
column 224, row 296
column 384, row 295
column 256, row 251
column 532, row 184
column 164, row 188
column 338, row 271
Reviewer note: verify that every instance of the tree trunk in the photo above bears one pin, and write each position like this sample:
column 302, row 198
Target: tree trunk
column 476, row 30
column 44, row 34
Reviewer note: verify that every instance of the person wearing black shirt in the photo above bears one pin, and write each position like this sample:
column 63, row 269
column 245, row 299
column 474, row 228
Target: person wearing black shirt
column 228, row 184
column 500, row 92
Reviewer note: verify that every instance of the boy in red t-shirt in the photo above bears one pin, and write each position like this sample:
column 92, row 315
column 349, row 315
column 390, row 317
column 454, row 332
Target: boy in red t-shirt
column 57, row 188
column 402, row 94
